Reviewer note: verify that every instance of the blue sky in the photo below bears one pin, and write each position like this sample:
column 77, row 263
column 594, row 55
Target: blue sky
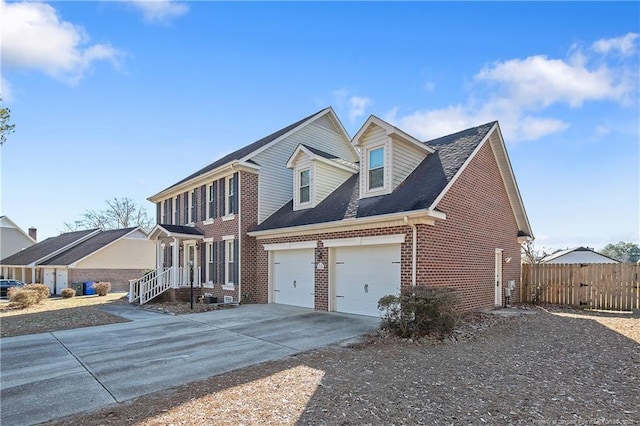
column 122, row 99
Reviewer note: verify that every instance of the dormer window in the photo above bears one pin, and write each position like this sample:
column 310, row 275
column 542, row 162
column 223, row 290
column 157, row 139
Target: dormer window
column 376, row 168
column 305, row 187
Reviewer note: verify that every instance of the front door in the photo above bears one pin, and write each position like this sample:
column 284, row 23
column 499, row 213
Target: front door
column 49, row 279
column 190, row 263
column 498, row 278
column 61, row 280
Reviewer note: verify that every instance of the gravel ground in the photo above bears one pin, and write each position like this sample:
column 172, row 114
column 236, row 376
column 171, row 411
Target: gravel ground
column 560, row 367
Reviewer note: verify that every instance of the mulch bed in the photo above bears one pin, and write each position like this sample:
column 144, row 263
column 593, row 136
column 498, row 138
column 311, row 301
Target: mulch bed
column 540, row 369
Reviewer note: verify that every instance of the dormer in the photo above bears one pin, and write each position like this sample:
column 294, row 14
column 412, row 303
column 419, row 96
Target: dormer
column 316, row 174
column 387, row 156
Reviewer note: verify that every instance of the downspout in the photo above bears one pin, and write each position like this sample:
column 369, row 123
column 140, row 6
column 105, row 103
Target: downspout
column 414, row 250
column 239, row 259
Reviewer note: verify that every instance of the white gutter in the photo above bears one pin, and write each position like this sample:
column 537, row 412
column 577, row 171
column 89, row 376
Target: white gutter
column 217, row 172
column 414, row 250
column 239, row 240
column 430, row 216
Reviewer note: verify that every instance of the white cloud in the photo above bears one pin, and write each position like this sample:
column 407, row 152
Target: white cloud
column 626, row 45
column 518, row 91
column 35, row 37
column 357, row 105
column 354, row 105
column 159, row 11
column 537, row 81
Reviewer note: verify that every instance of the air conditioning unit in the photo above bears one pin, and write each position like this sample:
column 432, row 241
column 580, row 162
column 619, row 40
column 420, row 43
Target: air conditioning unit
column 228, row 299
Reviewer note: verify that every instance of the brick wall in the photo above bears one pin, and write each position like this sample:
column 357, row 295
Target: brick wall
column 119, row 278
column 459, row 252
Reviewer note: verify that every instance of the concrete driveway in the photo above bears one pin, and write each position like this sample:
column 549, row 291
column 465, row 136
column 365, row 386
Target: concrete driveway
column 51, row 375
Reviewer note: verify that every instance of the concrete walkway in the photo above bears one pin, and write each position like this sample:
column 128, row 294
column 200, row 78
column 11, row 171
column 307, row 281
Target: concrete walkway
column 52, row 375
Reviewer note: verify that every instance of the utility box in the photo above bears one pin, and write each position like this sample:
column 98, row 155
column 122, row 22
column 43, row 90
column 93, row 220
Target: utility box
column 78, row 287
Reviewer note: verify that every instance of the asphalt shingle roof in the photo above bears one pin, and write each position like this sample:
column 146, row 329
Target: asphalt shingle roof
column 179, row 229
column 242, row 152
column 44, row 248
column 418, row 191
column 87, row 247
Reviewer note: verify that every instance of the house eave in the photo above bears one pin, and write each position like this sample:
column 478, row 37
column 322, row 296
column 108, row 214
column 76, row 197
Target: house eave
column 424, row 216
column 233, row 166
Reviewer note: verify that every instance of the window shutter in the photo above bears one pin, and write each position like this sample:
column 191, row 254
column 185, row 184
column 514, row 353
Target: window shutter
column 185, row 218
column 169, row 213
column 235, row 193
column 222, row 197
column 221, row 262
column 176, row 220
column 236, row 264
column 158, row 213
column 170, row 259
column 213, row 206
column 203, row 203
column 203, row 263
column 194, row 207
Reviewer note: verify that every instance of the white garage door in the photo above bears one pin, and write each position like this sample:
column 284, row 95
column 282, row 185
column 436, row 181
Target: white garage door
column 293, row 277
column 363, row 275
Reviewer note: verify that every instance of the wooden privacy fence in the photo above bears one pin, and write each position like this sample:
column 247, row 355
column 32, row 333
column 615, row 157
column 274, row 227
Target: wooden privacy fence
column 612, row 286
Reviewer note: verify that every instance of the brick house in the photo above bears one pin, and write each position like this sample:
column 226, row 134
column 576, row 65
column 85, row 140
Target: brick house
column 347, row 220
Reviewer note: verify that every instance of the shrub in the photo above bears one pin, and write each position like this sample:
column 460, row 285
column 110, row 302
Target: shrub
column 420, row 311
column 68, row 293
column 23, row 298
column 102, row 288
column 41, row 289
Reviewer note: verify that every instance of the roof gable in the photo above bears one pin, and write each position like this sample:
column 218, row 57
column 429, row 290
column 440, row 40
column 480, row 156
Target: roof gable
column 88, row 247
column 4, row 221
column 246, row 153
column 390, row 130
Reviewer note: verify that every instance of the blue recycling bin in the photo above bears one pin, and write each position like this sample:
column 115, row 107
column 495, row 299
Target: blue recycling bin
column 87, row 288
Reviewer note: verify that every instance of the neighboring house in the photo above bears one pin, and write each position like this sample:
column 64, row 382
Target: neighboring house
column 309, row 217
column 90, row 255
column 578, row 255
column 13, row 238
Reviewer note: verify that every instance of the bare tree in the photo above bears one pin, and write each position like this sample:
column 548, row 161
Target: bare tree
column 120, row 213
column 530, row 253
column 6, row 127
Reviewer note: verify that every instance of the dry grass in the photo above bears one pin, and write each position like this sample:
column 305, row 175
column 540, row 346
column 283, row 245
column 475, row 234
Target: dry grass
column 58, row 314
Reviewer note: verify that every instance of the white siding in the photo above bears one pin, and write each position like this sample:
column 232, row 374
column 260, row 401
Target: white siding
column 405, row 159
column 12, row 241
column 275, row 186
column 326, row 180
column 126, row 253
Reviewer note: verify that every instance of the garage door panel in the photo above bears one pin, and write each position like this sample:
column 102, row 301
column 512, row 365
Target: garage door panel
column 365, row 274
column 293, row 277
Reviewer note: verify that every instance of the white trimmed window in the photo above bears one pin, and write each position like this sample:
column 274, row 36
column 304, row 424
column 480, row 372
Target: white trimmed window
column 210, row 263
column 176, row 211
column 192, row 206
column 230, row 267
column 375, row 166
column 210, row 197
column 304, row 192
column 231, row 196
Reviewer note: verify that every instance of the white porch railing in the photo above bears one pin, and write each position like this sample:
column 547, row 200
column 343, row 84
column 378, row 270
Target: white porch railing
column 156, row 282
